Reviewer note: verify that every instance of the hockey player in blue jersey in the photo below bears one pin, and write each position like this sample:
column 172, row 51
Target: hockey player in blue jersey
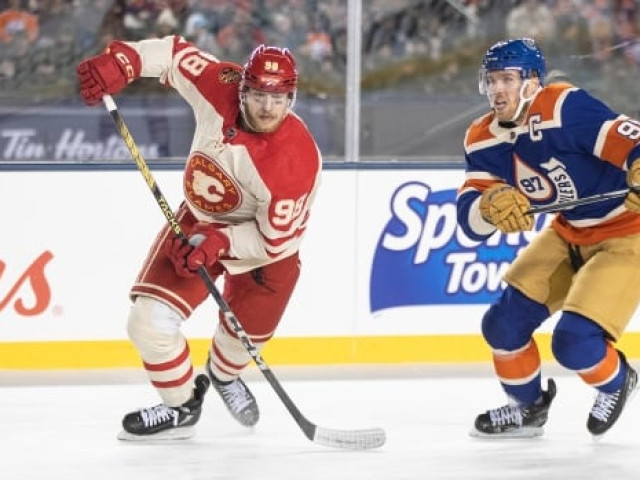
column 539, row 145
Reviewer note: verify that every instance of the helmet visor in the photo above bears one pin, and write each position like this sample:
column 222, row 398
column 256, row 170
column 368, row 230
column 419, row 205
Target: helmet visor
column 487, row 86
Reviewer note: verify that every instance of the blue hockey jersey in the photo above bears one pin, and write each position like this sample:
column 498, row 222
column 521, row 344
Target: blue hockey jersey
column 569, row 146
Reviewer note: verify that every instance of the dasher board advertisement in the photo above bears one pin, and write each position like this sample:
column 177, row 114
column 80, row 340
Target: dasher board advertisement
column 387, row 276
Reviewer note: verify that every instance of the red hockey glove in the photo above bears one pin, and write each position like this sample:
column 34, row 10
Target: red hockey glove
column 107, row 73
column 632, row 200
column 505, row 207
column 206, row 245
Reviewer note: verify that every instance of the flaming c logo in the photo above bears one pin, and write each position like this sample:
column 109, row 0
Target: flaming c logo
column 34, row 275
column 208, row 187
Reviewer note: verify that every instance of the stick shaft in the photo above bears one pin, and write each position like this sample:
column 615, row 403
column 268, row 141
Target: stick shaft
column 558, row 207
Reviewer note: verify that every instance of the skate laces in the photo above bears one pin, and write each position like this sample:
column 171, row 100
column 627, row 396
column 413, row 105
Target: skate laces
column 235, row 395
column 506, row 415
column 159, row 414
column 604, row 405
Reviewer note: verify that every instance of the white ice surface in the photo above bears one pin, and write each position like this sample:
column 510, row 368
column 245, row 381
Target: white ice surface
column 52, row 430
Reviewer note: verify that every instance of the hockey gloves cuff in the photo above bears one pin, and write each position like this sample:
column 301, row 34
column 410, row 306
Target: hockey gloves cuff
column 206, row 245
column 505, row 207
column 107, row 73
column 632, row 200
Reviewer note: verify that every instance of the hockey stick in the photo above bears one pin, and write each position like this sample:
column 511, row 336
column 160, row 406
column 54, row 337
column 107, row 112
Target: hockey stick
column 558, row 207
column 348, row 439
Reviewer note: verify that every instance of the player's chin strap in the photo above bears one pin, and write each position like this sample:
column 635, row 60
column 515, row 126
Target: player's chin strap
column 349, row 439
column 524, row 101
column 600, row 197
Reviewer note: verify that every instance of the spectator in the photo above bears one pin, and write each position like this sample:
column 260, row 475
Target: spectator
column 626, row 29
column 15, row 57
column 573, row 33
column 531, row 18
column 15, row 20
column 56, row 23
column 599, row 15
column 166, row 23
column 87, row 17
column 239, row 37
column 138, row 18
column 198, row 31
column 318, row 45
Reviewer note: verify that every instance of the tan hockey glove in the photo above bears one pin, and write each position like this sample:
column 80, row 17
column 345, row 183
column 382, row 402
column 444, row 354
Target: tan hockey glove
column 632, row 200
column 505, row 207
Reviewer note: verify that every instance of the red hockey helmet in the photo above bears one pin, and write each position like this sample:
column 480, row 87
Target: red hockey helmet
column 271, row 69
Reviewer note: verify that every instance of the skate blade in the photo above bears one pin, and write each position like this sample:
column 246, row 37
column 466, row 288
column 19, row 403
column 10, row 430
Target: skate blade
column 526, row 432
column 183, row 433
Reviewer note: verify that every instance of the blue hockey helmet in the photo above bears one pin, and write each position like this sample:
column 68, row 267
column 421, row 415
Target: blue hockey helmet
column 518, row 54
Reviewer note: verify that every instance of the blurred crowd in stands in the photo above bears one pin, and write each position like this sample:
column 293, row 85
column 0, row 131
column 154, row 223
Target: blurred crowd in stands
column 42, row 40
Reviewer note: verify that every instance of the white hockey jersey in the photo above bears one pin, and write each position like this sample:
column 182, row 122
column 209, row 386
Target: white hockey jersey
column 260, row 186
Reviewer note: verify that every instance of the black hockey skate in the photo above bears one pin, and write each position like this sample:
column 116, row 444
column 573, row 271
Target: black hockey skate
column 608, row 406
column 166, row 423
column 237, row 398
column 516, row 421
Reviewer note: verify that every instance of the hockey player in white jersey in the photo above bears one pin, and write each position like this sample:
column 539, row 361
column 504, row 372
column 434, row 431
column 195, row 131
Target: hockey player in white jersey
column 249, row 181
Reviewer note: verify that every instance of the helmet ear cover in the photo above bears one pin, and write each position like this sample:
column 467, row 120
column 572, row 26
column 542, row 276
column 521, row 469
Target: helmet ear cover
column 520, row 54
column 270, row 69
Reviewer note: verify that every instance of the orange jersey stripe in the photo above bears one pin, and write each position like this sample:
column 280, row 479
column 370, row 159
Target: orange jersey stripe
column 517, row 367
column 547, row 101
column 604, row 371
column 480, row 185
column 479, row 130
column 626, row 223
column 613, row 144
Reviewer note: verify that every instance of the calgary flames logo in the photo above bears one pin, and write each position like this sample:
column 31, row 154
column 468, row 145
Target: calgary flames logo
column 207, row 186
column 34, row 274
